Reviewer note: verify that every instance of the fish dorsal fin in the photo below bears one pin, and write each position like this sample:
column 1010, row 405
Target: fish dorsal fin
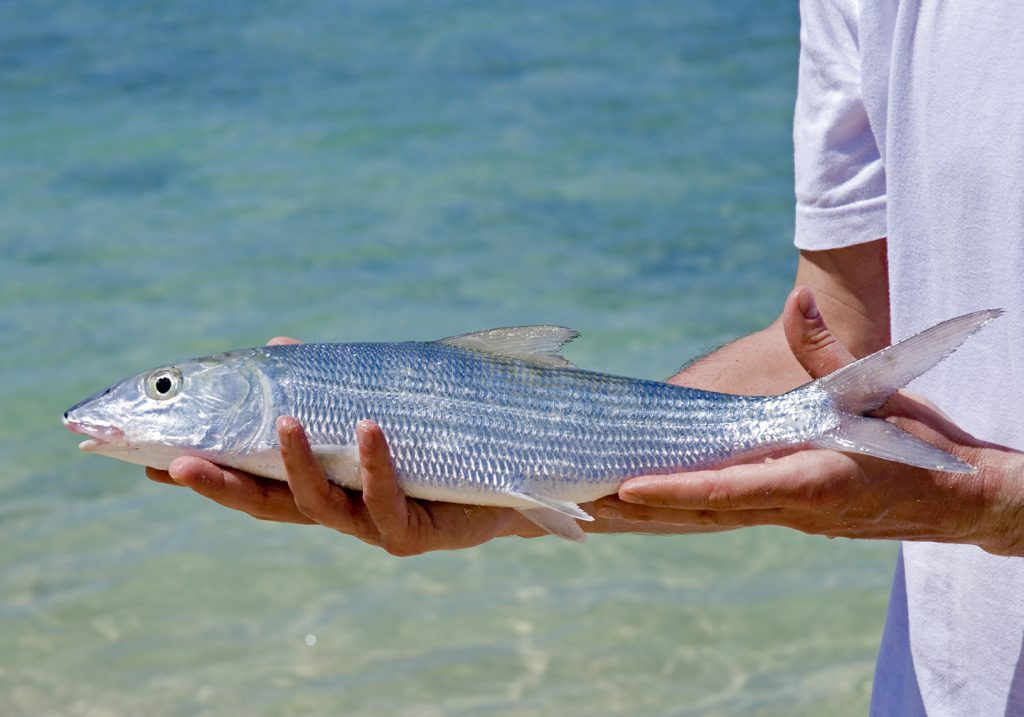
column 536, row 344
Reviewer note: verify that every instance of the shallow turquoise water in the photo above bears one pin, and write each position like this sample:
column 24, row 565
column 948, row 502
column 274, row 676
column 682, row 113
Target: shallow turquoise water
column 182, row 178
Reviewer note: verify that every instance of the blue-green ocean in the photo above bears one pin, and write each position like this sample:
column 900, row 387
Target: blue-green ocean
column 181, row 178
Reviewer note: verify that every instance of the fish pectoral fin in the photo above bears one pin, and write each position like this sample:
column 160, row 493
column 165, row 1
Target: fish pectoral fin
column 556, row 523
column 536, row 344
column 875, row 437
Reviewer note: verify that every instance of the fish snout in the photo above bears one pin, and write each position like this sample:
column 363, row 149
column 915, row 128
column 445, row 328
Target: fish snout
column 98, row 435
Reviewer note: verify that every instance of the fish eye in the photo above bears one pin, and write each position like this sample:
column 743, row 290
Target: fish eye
column 163, row 383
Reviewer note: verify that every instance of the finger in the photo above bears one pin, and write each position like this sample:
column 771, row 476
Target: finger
column 809, row 337
column 612, row 515
column 282, row 340
column 315, row 496
column 381, row 493
column 158, row 476
column 703, row 521
column 267, row 499
column 799, row 480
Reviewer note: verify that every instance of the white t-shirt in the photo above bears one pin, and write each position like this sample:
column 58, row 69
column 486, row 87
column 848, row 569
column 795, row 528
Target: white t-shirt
column 909, row 125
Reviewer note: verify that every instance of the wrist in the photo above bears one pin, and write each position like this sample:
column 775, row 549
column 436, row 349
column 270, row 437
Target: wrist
column 1002, row 474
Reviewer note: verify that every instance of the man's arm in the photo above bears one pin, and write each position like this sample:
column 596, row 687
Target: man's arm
column 851, row 286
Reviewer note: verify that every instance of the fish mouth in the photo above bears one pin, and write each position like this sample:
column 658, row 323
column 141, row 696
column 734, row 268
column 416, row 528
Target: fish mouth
column 99, row 436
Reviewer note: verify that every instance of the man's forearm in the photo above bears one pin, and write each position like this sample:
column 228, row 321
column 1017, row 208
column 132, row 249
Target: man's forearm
column 757, row 364
column 852, row 290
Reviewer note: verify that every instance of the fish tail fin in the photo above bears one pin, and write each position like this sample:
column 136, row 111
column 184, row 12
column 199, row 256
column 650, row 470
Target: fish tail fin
column 865, row 385
column 881, row 439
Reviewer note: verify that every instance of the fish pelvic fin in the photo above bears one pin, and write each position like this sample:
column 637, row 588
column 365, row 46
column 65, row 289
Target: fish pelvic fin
column 558, row 517
column 556, row 523
column 564, row 507
column 537, row 344
column 865, row 385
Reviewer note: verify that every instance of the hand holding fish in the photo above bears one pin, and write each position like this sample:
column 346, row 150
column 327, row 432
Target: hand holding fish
column 841, row 494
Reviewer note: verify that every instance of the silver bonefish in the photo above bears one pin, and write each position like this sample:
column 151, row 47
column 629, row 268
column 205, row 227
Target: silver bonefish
column 498, row 417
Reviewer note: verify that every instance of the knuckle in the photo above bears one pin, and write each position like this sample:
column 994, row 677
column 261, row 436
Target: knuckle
column 719, row 496
column 819, row 338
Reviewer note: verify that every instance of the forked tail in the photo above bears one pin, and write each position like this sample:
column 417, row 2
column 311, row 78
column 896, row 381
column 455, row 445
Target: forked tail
column 865, row 385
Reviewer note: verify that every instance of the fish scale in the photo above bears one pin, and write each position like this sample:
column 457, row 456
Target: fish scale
column 497, row 417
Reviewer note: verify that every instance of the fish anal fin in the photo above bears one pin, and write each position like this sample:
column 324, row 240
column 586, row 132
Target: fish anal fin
column 875, row 437
column 556, row 523
column 536, row 344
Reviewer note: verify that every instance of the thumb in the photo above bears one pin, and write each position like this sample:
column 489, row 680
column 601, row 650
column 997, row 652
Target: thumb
column 809, row 338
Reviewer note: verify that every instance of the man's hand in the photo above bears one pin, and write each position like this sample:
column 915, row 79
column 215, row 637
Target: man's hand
column 836, row 494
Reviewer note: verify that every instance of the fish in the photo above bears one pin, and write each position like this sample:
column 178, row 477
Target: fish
column 499, row 417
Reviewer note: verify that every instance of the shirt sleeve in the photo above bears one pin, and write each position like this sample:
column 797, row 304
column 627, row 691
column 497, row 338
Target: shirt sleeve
column 839, row 174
